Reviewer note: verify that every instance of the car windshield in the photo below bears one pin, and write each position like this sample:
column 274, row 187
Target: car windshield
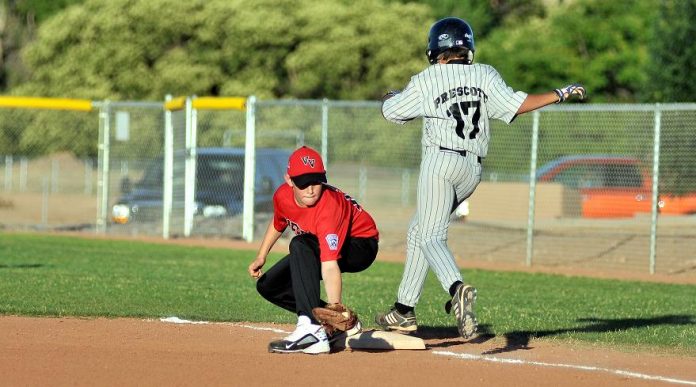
column 600, row 175
column 623, row 175
column 581, row 176
column 220, row 170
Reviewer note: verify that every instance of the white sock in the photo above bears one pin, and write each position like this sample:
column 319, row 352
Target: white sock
column 303, row 320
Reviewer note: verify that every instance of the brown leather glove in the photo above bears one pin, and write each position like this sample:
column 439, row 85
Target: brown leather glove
column 335, row 317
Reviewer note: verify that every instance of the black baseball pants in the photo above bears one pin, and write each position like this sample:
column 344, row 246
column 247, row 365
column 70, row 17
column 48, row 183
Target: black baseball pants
column 294, row 282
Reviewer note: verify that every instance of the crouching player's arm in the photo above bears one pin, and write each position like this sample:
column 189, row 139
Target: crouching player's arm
column 331, row 274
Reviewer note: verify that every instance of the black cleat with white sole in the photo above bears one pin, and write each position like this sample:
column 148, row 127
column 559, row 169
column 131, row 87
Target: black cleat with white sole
column 462, row 306
column 309, row 343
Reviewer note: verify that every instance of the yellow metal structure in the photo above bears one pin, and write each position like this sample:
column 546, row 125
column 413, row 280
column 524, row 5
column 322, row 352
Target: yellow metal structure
column 219, row 103
column 84, row 105
column 175, row 104
column 208, row 103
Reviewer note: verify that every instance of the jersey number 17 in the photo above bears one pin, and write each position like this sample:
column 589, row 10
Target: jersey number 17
column 459, row 109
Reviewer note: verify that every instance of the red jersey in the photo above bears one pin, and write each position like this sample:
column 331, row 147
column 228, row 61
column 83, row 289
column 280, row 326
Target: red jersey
column 333, row 218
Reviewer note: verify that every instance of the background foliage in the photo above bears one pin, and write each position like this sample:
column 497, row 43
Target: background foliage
column 144, row 49
column 622, row 51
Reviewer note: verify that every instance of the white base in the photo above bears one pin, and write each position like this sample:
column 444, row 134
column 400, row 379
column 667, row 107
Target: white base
column 380, row 340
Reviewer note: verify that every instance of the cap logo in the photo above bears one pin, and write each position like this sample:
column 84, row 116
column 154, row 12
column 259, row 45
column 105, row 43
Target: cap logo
column 306, row 160
column 443, row 37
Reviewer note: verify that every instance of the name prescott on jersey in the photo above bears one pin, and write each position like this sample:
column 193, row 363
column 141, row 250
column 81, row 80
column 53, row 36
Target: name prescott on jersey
column 458, row 92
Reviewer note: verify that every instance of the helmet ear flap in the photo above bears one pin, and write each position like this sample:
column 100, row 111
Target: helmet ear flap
column 432, row 57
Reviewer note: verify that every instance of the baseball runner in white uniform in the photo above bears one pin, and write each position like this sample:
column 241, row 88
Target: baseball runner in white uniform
column 456, row 98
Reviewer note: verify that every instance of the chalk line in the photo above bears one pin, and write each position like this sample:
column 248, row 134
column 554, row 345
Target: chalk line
column 176, row 320
column 493, row 359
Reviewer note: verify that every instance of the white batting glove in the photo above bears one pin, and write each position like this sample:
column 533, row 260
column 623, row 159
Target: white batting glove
column 565, row 92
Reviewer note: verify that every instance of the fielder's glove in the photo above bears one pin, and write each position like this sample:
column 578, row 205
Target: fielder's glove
column 565, row 92
column 336, row 317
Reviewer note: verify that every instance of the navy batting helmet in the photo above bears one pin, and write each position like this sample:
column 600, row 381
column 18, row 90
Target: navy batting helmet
column 450, row 33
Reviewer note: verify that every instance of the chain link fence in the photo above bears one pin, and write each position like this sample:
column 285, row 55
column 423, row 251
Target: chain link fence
column 130, row 164
column 48, row 175
column 592, row 186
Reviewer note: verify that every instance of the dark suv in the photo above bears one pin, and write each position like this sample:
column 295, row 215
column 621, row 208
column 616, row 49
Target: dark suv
column 219, row 187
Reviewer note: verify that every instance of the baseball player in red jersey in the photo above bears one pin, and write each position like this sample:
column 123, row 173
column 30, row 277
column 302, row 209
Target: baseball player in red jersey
column 456, row 97
column 333, row 235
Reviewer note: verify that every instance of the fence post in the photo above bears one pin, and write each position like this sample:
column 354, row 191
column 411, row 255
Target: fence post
column 655, row 180
column 8, row 173
column 249, row 170
column 45, row 192
column 23, row 174
column 168, row 171
column 325, row 132
column 532, row 187
column 103, row 165
column 190, row 172
column 55, row 173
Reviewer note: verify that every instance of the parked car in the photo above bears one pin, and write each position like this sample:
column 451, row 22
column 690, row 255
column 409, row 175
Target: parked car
column 219, row 185
column 612, row 186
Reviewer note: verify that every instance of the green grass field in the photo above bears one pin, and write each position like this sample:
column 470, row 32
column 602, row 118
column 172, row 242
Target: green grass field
column 67, row 276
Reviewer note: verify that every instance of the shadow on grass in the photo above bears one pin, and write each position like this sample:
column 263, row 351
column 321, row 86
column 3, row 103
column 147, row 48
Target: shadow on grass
column 22, row 266
column 519, row 340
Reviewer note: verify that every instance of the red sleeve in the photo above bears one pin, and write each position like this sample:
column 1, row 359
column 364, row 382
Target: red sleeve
column 279, row 221
column 332, row 227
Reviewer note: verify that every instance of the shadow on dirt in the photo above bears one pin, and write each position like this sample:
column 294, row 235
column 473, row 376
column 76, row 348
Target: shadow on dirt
column 430, row 333
column 519, row 340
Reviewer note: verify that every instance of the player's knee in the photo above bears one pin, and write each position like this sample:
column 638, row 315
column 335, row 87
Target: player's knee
column 433, row 240
column 301, row 244
column 262, row 288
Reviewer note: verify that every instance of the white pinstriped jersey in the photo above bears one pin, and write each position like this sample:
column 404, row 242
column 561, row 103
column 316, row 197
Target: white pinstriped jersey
column 456, row 100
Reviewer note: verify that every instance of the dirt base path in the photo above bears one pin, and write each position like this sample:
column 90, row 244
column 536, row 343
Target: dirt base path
column 110, row 352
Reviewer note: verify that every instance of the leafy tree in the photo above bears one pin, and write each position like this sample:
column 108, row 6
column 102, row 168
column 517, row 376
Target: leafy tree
column 144, row 49
column 36, row 11
column 484, row 16
column 673, row 53
column 602, row 44
column 672, row 79
column 18, row 20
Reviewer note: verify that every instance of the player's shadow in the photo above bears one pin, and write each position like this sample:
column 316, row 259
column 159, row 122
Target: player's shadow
column 21, row 266
column 446, row 333
column 519, row 340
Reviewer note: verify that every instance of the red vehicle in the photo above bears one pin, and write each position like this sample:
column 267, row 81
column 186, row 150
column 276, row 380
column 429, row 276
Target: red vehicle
column 612, row 186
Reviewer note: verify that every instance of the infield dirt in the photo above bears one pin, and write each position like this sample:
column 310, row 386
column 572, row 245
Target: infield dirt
column 120, row 352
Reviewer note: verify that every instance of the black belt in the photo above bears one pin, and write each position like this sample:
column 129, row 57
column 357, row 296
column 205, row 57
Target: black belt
column 460, row 152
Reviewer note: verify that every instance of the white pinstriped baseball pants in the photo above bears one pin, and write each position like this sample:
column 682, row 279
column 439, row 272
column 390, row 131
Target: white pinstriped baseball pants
column 446, row 179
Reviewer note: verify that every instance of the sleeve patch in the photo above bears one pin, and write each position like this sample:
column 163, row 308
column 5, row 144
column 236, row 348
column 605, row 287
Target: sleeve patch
column 332, row 240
